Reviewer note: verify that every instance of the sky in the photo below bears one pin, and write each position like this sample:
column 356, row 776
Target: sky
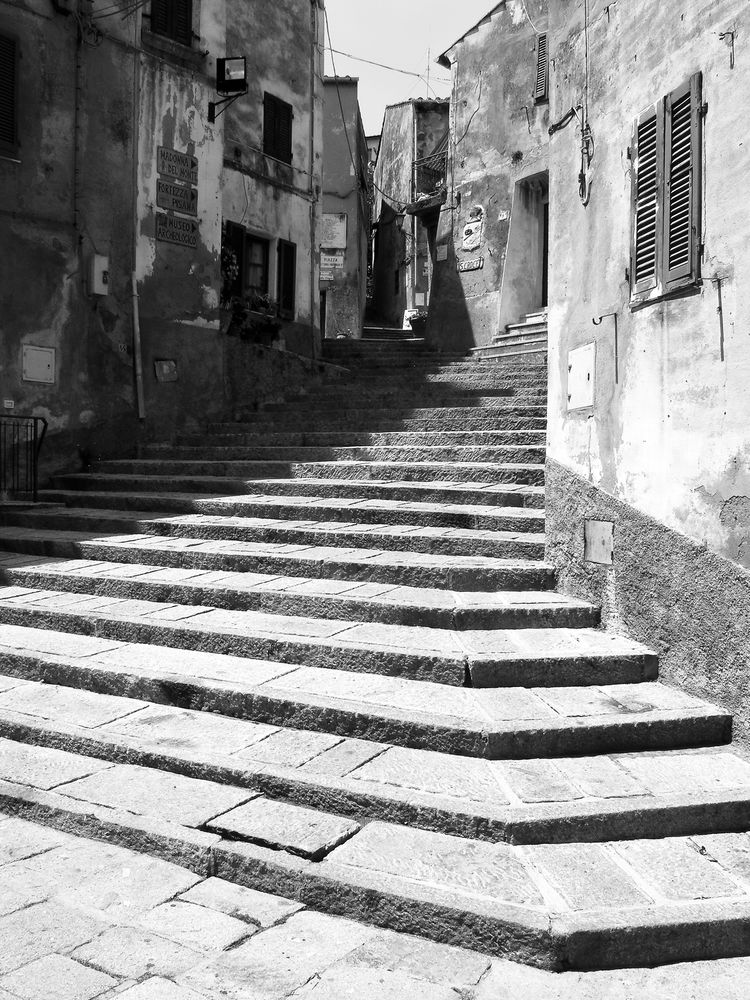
column 399, row 33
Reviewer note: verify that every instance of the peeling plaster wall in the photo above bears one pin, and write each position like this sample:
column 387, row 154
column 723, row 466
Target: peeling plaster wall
column 272, row 199
column 343, row 193
column 494, row 146
column 671, row 437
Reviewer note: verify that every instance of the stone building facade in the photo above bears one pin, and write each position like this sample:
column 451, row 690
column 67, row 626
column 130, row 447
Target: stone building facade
column 113, row 188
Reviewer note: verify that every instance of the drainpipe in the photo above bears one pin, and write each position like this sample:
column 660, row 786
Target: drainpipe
column 310, row 186
column 137, row 353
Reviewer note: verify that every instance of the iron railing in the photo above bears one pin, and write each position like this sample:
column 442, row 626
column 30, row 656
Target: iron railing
column 430, row 173
column 20, row 443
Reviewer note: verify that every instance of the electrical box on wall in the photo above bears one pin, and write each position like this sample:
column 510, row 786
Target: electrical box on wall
column 581, row 371
column 38, row 364
column 599, row 542
column 98, row 274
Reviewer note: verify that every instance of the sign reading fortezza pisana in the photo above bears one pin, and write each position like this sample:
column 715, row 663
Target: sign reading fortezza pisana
column 176, row 197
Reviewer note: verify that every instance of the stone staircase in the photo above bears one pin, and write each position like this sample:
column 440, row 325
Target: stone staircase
column 320, row 653
column 525, row 341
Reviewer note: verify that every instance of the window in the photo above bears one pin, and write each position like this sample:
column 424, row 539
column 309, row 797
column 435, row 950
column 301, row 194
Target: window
column 250, row 256
column 666, row 195
column 277, row 128
column 173, row 19
column 8, row 96
column 287, row 279
column 541, row 86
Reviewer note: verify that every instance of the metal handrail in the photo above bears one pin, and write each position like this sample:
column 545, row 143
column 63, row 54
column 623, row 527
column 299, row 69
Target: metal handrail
column 430, row 172
column 21, row 440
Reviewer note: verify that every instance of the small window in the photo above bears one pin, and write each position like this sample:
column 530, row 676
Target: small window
column 245, row 259
column 541, row 86
column 666, row 195
column 277, row 128
column 8, row 96
column 256, row 266
column 287, row 279
column 173, row 19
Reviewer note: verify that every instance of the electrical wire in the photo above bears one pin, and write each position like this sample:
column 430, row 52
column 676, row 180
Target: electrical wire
column 371, row 62
column 528, row 18
column 126, row 9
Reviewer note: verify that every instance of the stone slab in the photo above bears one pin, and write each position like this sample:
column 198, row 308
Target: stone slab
column 289, row 748
column 83, row 708
column 55, row 977
column 676, row 869
column 44, row 767
column 19, row 840
column 158, row 988
column 46, row 927
column 586, row 876
column 130, row 952
column 195, row 926
column 465, row 779
column 258, row 908
column 307, row 832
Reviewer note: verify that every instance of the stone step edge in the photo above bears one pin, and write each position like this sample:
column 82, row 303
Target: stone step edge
column 701, row 930
column 460, row 670
column 349, row 718
column 223, row 596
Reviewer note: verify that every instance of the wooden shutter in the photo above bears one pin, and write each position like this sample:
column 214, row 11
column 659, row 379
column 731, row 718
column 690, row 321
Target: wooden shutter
column 647, row 158
column 160, row 16
column 287, row 278
column 8, row 96
column 682, row 130
column 542, row 69
column 182, row 21
column 277, row 128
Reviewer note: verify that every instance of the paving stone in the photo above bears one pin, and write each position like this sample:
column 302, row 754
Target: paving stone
column 253, row 907
column 158, row 988
column 432, row 773
column 40, row 929
column 343, row 758
column 55, row 977
column 44, row 767
column 148, row 792
column 130, row 952
column 459, row 867
column 347, row 983
column 58, row 644
column 82, row 708
column 676, row 869
column 580, row 701
column 289, row 748
column 273, row 964
column 731, row 850
column 425, row 960
column 19, row 839
column 536, row 780
column 600, row 777
column 687, row 773
column 190, row 730
column 307, row 832
column 586, row 876
column 195, row 926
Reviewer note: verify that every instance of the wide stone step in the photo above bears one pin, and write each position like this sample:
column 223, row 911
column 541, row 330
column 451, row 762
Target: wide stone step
column 489, row 796
column 349, row 600
column 367, row 421
column 480, row 382
column 408, row 452
column 510, row 357
column 558, row 906
column 371, row 565
column 341, row 439
column 419, row 401
column 522, row 473
column 476, row 657
column 296, row 531
column 474, row 494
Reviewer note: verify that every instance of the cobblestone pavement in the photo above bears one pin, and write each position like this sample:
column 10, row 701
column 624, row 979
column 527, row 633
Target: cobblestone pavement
column 81, row 919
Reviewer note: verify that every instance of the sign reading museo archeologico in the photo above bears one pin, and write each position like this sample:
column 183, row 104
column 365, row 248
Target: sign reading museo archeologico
column 178, row 166
column 476, row 264
column 173, row 229
column 176, row 197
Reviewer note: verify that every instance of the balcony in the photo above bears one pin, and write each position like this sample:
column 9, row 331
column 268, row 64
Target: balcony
column 429, row 179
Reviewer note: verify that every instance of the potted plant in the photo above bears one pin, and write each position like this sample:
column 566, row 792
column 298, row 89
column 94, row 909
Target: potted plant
column 418, row 321
column 254, row 317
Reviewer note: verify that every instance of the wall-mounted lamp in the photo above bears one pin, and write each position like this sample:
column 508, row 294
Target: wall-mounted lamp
column 231, row 83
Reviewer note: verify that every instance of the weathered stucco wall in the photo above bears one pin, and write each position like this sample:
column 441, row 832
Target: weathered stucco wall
column 688, row 604
column 272, row 199
column 670, row 437
column 345, row 192
column 498, row 139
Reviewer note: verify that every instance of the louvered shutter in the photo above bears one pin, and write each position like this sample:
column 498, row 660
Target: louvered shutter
column 647, row 155
column 160, row 16
column 277, row 128
column 287, row 278
column 542, row 69
column 182, row 23
column 8, row 96
column 682, row 128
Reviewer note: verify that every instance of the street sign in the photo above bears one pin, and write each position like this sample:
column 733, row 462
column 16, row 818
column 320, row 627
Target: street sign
column 173, row 229
column 471, row 265
column 176, row 197
column 329, row 261
column 179, row 166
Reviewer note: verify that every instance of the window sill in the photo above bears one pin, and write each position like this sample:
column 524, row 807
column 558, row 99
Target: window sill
column 9, row 156
column 184, row 54
column 648, row 299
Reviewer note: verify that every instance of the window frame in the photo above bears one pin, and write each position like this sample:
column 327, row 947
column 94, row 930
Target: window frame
column 670, row 202
column 277, row 113
column 170, row 30
column 10, row 149
column 287, row 307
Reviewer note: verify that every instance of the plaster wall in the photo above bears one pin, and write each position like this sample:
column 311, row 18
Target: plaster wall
column 345, row 192
column 498, row 139
column 670, row 436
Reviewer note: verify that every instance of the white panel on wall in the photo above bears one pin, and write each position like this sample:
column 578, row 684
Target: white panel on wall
column 38, row 364
column 581, row 368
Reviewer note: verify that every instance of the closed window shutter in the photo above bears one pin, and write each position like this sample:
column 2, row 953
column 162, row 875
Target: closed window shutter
column 183, row 21
column 542, row 69
column 647, row 155
column 683, row 182
column 160, row 16
column 8, row 96
column 287, row 279
column 277, row 128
